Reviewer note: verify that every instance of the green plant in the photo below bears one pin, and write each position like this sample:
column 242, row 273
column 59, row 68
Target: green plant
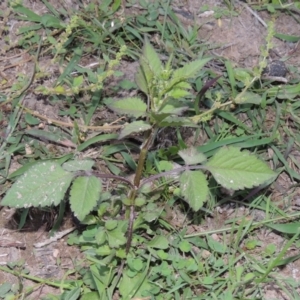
column 109, row 238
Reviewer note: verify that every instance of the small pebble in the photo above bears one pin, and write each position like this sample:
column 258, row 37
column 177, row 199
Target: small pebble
column 276, row 68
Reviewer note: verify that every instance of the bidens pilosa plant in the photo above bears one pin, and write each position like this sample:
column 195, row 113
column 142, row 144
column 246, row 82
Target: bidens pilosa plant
column 120, row 216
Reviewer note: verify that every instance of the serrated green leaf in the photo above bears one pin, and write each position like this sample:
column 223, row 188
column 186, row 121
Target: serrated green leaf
column 42, row 185
column 136, row 285
column 104, row 250
column 165, row 165
column 236, row 170
column 194, row 189
column 192, row 156
column 248, row 97
column 127, row 84
column 150, row 66
column 178, row 93
column 134, row 127
column 116, row 238
column 183, row 85
column 151, row 58
column 77, row 81
column 159, row 242
column 84, row 194
column 174, row 109
column 139, row 202
column 216, row 246
column 159, row 117
column 135, row 264
column 100, row 236
column 135, row 107
column 111, row 224
column 185, row 246
column 189, row 70
column 242, row 75
column 78, row 165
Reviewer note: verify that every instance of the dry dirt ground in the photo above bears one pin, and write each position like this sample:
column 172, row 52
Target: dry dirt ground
column 238, row 38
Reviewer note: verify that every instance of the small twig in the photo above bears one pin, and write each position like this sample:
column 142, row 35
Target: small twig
column 106, row 176
column 130, row 228
column 7, row 243
column 14, row 56
column 254, row 14
column 276, row 79
column 31, row 78
column 57, row 284
column 169, row 173
column 71, row 125
column 17, row 64
column 55, row 238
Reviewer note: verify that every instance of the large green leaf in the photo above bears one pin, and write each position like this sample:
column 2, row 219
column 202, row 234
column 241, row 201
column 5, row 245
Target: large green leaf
column 78, row 165
column 135, row 107
column 150, row 67
column 194, row 188
column 42, row 185
column 236, row 170
column 134, row 127
column 84, row 194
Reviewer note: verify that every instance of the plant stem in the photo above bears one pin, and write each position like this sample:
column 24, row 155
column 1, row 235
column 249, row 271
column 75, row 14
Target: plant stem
column 137, row 179
column 140, row 167
column 58, row 284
